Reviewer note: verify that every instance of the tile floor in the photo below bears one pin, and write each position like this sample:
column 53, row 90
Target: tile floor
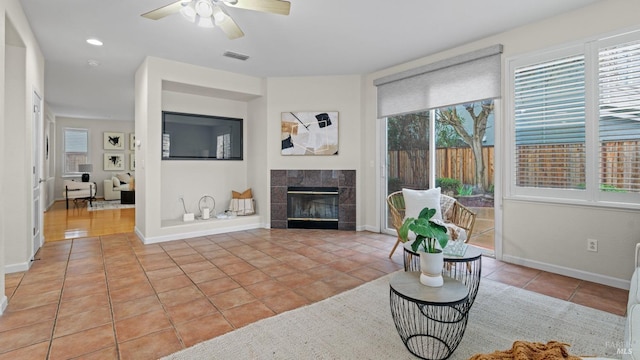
column 111, row 297
column 483, row 229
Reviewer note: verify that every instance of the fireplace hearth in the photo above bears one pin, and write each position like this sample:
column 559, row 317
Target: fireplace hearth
column 312, row 207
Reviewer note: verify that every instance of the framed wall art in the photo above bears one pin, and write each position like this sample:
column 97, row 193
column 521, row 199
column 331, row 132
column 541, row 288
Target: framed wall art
column 132, row 141
column 113, row 141
column 309, row 133
column 132, row 161
column 113, row 161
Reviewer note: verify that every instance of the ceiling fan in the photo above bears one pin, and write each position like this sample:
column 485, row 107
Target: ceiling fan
column 210, row 13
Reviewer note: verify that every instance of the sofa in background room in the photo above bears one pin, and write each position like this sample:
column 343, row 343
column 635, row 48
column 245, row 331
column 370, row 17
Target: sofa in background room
column 117, row 183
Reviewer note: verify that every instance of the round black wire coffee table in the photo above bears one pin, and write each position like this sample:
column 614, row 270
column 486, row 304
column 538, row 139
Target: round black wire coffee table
column 430, row 320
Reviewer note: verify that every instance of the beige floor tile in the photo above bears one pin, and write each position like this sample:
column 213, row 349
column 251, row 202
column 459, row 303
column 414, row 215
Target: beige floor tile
column 166, row 296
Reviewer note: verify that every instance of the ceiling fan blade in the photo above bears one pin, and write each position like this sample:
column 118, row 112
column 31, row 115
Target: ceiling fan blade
column 230, row 28
column 161, row 12
column 271, row 6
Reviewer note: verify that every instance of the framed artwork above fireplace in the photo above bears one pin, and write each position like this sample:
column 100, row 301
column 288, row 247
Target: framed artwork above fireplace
column 309, row 133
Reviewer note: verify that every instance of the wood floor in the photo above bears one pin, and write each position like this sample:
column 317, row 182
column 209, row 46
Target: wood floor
column 78, row 222
column 98, row 296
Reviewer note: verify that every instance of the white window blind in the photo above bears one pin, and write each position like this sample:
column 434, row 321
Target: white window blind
column 619, row 120
column 465, row 78
column 549, row 114
column 575, row 123
column 76, row 149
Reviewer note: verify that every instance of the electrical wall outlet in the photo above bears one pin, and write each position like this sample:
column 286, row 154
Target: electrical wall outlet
column 592, row 245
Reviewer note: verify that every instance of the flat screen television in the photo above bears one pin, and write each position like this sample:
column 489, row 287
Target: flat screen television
column 200, row 137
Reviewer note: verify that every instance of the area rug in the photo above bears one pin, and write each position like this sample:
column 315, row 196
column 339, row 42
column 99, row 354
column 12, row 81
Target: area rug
column 357, row 324
column 109, row 205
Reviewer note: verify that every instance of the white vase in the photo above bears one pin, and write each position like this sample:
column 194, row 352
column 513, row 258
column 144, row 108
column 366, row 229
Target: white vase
column 431, row 265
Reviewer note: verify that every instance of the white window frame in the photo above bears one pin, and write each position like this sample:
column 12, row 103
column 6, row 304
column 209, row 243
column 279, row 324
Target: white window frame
column 591, row 195
column 64, row 151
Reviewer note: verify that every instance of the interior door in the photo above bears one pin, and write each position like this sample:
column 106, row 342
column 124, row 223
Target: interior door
column 37, row 215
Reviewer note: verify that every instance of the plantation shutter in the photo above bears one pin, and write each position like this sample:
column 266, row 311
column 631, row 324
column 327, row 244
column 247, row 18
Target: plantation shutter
column 549, row 112
column 619, row 125
column 462, row 79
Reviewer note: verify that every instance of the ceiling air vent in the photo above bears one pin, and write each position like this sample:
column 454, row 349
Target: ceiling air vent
column 235, row 55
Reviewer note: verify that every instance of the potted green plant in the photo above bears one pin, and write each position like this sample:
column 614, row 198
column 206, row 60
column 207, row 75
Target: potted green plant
column 428, row 233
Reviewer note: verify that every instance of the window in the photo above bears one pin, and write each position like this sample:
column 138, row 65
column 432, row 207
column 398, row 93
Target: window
column 549, row 116
column 619, row 118
column 76, row 150
column 435, row 121
column 449, row 147
column 223, row 148
column 575, row 122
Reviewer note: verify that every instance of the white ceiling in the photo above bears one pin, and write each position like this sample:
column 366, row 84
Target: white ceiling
column 319, row 37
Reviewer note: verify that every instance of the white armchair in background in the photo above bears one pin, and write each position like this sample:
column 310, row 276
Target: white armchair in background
column 76, row 190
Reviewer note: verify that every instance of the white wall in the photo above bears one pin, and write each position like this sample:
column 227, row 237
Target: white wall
column 18, row 245
column 14, row 241
column 141, row 109
column 196, row 178
column 326, row 93
column 3, row 297
column 542, row 235
column 257, row 166
column 96, row 128
column 157, row 179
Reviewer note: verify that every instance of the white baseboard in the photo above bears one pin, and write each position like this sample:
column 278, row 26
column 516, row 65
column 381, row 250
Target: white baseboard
column 574, row 273
column 368, row 228
column 193, row 234
column 3, row 304
column 13, row 268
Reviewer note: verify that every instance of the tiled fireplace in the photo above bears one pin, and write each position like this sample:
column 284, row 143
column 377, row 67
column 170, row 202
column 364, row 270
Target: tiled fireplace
column 288, row 183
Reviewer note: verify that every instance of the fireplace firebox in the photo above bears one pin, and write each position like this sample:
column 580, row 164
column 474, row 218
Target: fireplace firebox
column 312, row 207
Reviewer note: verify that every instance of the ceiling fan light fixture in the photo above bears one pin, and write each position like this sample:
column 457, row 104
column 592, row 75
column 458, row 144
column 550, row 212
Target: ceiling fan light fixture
column 204, row 8
column 188, row 11
column 205, row 22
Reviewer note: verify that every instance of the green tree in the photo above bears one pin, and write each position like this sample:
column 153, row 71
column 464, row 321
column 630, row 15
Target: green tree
column 410, row 133
column 447, row 137
column 450, row 117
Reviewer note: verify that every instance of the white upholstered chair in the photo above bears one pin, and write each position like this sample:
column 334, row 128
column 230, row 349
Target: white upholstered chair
column 76, row 190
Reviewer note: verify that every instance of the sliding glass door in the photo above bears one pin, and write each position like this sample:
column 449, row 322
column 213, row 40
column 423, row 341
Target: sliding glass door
column 450, row 147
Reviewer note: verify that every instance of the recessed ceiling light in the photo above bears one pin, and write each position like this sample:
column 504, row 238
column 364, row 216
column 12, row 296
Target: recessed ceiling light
column 94, row 41
column 93, row 62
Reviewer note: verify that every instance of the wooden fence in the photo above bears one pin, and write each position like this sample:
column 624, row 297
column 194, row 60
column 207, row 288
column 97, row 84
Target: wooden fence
column 563, row 166
column 411, row 167
column 551, row 166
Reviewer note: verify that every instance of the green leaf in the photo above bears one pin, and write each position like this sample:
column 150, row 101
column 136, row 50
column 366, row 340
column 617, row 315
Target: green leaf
column 420, row 240
column 427, row 231
column 427, row 213
column 403, row 232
